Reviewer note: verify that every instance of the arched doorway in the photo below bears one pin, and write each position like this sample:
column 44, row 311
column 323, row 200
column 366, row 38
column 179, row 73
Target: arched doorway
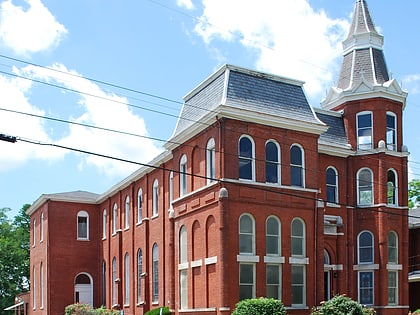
column 83, row 289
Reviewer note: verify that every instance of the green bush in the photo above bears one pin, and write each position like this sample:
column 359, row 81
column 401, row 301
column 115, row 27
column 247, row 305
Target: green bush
column 416, row 312
column 342, row 305
column 156, row 311
column 260, row 306
column 86, row 309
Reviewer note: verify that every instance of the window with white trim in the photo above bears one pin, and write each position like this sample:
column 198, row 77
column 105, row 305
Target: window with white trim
column 246, row 281
column 126, row 279
column 82, row 225
column 34, row 232
column 114, row 282
column 42, row 286
column 171, row 189
column 34, row 288
column 41, row 228
column 155, row 198
column 246, row 158
column 332, row 185
column 366, row 287
column 139, row 275
column 272, row 236
column 183, row 176
column 392, row 248
column 392, row 287
column 273, row 283
column 104, row 221
column 272, row 162
column 297, row 174
column 298, row 238
column 155, row 273
column 114, row 219
column 364, row 187
column 127, row 213
column 392, row 192
column 364, row 131
column 210, row 161
column 365, row 248
column 391, row 131
column 298, row 285
column 246, row 235
column 139, row 205
column 183, row 270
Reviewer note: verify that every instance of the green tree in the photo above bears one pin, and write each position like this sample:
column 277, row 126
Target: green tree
column 14, row 256
column 413, row 193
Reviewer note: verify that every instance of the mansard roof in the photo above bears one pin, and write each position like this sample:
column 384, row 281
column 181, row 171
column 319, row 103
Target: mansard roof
column 247, row 95
column 336, row 134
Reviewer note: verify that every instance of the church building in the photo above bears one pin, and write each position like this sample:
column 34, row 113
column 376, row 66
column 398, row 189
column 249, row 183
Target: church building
column 257, row 193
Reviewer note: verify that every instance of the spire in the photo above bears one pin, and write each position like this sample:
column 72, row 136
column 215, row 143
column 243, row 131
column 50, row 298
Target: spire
column 363, row 55
column 363, row 68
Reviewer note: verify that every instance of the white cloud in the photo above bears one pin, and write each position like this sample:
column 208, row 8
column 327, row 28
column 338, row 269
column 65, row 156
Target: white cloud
column 186, row 4
column 412, row 83
column 104, row 110
column 29, row 31
column 289, row 37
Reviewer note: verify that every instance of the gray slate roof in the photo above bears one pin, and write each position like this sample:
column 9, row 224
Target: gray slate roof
column 414, row 218
column 336, row 133
column 246, row 90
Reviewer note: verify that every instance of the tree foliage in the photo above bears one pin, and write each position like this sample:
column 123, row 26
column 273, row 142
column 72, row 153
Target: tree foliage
column 260, row 306
column 14, row 256
column 413, row 193
column 342, row 305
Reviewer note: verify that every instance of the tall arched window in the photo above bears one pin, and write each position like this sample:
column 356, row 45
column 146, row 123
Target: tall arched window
column 272, row 162
column 364, row 131
column 104, row 284
column 365, row 248
column 392, row 191
column 332, row 185
column 391, row 131
column 183, row 268
column 365, row 187
column 42, row 286
column 34, row 288
column 155, row 273
column 171, row 188
column 246, row 235
column 114, row 282
column 127, row 280
column 298, row 238
column 183, row 175
column 139, row 275
column 210, row 161
column 392, row 248
column 272, row 238
column 297, row 176
column 127, row 212
column 114, row 219
column 139, row 205
column 155, row 197
column 82, row 225
column 392, row 272
column 41, row 228
column 104, row 219
column 246, row 158
column 34, row 232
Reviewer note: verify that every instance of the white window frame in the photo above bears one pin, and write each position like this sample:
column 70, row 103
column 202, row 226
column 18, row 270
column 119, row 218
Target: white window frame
column 395, row 187
column 360, row 145
column 42, row 285
column 302, row 238
column 41, row 228
column 155, row 198
column 127, row 213
column 155, row 273
column 247, row 159
column 171, row 189
column 394, row 248
column 127, row 280
column 370, row 262
column 34, row 233
column 114, row 281
column 394, row 288
column 183, row 176
column 298, row 166
column 275, row 163
column 83, row 214
column 391, row 145
column 247, row 284
column 359, row 187
column 278, row 235
column 104, row 222
column 372, row 287
column 139, row 275
column 331, row 186
column 302, row 285
column 247, row 234
column 210, row 161
column 114, row 219
column 139, row 206
column 279, row 281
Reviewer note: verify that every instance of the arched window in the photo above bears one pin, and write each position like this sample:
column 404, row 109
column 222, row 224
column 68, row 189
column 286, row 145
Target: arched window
column 183, row 175
column 114, row 282
column 171, row 188
column 391, row 131
column 34, row 232
column 114, row 219
column 246, row 235
column 104, row 219
column 183, row 268
column 139, row 275
column 298, row 238
column 127, row 212
column 34, row 288
column 126, row 279
column 139, row 205
column 365, row 187
column 327, row 276
column 364, row 131
column 272, row 162
column 104, row 284
column 297, row 175
column 272, row 238
column 82, row 225
column 392, row 191
column 155, row 273
column 42, row 286
column 392, row 248
column 365, row 247
column 332, row 185
column 155, row 197
column 41, row 228
column 210, row 161
column 246, row 158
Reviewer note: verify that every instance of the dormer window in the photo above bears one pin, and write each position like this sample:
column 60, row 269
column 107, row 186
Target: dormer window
column 364, row 131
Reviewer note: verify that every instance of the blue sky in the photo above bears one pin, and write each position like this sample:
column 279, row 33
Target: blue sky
column 125, row 66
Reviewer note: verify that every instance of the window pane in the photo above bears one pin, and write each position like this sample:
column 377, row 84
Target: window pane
column 366, row 288
column 273, row 281
column 183, row 283
column 392, row 287
column 82, row 227
column 364, row 121
column 296, row 174
column 245, row 244
column 298, row 285
column 271, row 172
column 245, row 147
column 272, row 244
column 296, row 155
column 245, row 168
column 246, row 281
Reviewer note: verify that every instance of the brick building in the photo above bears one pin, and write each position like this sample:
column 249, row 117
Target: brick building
column 256, row 194
column 414, row 258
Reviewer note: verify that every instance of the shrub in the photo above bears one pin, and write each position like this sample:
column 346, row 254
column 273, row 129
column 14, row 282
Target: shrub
column 86, row 309
column 342, row 305
column 260, row 306
column 416, row 312
column 156, row 311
